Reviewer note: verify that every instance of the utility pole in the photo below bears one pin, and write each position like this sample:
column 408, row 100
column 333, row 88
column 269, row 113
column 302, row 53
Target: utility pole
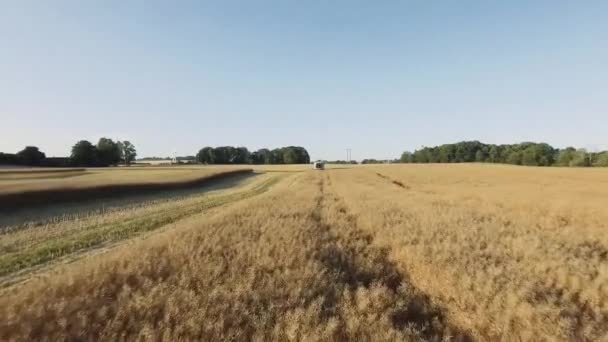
column 348, row 154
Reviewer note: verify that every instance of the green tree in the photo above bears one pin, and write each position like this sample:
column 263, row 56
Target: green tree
column 30, row 155
column 84, row 154
column 301, row 155
column 525, row 153
column 206, row 155
column 460, row 154
column 601, row 159
column 8, row 158
column 447, row 153
column 406, row 157
column 241, row 156
column 514, row 158
column 538, row 155
column 290, row 156
column 421, row 156
column 581, row 158
column 528, row 157
column 264, row 156
column 108, row 152
column 545, row 154
column 565, row 156
column 494, row 154
column 276, row 156
column 127, row 152
column 224, row 154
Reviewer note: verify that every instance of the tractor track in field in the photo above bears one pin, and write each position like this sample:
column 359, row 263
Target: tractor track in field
column 395, row 182
column 348, row 252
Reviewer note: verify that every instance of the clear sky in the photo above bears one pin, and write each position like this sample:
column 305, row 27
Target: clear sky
column 375, row 76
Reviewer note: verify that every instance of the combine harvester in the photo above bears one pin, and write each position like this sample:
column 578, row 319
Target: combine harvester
column 318, row 165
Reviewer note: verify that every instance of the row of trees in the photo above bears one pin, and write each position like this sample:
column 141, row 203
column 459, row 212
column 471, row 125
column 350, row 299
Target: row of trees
column 241, row 155
column 527, row 153
column 30, row 156
column 84, row 153
column 107, row 152
column 342, row 162
column 377, row 161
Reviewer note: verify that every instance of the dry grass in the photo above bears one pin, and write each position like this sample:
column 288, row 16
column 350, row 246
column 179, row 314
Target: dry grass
column 364, row 253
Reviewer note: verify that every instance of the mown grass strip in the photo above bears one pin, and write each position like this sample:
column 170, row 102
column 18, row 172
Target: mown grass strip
column 115, row 231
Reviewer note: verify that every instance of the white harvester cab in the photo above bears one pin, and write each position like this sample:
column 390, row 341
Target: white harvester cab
column 318, row 165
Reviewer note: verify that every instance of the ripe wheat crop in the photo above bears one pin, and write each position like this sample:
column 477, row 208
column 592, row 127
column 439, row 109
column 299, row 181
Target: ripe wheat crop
column 395, row 252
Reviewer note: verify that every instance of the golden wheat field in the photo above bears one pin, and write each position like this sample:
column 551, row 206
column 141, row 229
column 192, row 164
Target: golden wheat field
column 386, row 252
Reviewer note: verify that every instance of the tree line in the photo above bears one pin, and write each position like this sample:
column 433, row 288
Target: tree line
column 106, row 153
column 379, row 161
column 342, row 162
column 30, row 156
column 241, row 155
column 527, row 153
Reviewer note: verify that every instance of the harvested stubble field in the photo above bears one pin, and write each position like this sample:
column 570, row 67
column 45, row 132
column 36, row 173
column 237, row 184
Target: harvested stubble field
column 23, row 180
column 395, row 252
column 38, row 188
column 16, row 181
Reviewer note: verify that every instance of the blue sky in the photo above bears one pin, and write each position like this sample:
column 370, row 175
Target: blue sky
column 378, row 77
